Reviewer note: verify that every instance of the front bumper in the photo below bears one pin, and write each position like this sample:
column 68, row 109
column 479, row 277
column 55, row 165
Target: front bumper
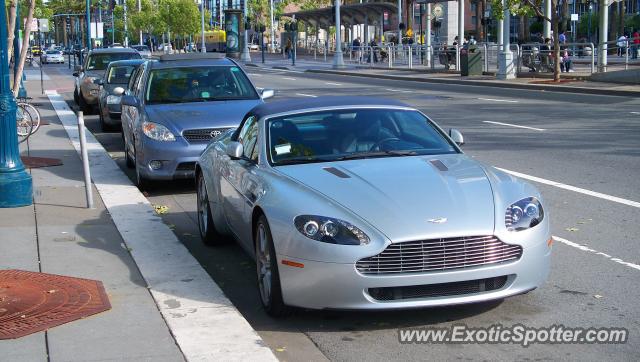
column 90, row 93
column 321, row 285
column 178, row 158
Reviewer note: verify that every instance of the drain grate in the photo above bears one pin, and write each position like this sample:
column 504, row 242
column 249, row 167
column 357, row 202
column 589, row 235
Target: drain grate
column 35, row 162
column 32, row 302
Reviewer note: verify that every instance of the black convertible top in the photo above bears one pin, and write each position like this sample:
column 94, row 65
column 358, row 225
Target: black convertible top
column 300, row 104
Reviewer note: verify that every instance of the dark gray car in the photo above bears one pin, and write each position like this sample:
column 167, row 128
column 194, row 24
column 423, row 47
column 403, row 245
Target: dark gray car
column 95, row 63
column 117, row 76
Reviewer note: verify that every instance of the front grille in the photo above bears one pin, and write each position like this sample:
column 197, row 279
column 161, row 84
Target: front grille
column 186, row 166
column 438, row 290
column 439, row 254
column 202, row 134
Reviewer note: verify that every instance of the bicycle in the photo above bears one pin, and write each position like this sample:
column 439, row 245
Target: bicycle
column 24, row 124
column 24, row 104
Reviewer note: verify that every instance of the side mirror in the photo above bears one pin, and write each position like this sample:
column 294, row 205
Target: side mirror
column 235, row 150
column 456, row 136
column 267, row 93
column 128, row 100
column 118, row 91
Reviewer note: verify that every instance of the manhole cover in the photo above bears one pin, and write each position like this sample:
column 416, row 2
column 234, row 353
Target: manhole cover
column 32, row 302
column 35, row 162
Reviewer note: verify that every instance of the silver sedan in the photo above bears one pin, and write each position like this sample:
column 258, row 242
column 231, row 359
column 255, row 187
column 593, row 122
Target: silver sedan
column 351, row 203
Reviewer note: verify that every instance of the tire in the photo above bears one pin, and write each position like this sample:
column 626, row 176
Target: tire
column 143, row 183
column 84, row 107
column 103, row 125
column 33, row 112
column 267, row 271
column 129, row 161
column 206, row 226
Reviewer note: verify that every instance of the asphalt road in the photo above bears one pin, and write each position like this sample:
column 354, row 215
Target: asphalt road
column 586, row 150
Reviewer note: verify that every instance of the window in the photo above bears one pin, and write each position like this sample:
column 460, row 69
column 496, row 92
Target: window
column 198, row 84
column 120, row 75
column 248, row 137
column 101, row 61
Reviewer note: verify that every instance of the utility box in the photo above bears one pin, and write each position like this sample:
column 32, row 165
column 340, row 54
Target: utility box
column 470, row 61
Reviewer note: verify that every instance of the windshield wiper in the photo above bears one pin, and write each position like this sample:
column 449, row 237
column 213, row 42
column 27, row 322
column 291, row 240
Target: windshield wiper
column 298, row 160
column 394, row 153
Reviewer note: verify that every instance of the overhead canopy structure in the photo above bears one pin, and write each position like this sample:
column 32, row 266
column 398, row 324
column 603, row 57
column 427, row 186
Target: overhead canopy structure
column 354, row 14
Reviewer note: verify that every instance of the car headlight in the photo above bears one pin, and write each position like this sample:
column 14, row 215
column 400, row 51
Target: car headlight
column 113, row 99
column 523, row 214
column 330, row 230
column 157, row 132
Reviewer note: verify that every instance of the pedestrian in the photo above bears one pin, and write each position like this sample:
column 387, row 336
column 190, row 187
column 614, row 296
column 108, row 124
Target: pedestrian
column 374, row 45
column 622, row 45
column 562, row 38
column 287, row 48
column 355, row 47
column 565, row 61
column 636, row 45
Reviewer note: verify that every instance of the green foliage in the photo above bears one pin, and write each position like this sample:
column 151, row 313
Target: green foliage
column 516, row 7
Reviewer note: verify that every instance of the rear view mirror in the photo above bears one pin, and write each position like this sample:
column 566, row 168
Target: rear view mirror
column 235, row 150
column 267, row 93
column 129, row 101
column 456, row 136
column 118, row 91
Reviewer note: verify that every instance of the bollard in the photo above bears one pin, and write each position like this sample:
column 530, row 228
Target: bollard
column 626, row 56
column 486, row 58
column 410, row 63
column 593, row 58
column 85, row 161
column 390, row 57
column 41, row 80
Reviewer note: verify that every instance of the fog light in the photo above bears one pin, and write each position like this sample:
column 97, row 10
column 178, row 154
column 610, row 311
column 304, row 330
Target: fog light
column 155, row 165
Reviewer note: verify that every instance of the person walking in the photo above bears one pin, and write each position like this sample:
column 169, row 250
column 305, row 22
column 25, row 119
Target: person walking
column 636, row 45
column 287, row 49
column 622, row 44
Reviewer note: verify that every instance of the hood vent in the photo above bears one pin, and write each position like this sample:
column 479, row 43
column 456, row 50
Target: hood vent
column 336, row 172
column 439, row 165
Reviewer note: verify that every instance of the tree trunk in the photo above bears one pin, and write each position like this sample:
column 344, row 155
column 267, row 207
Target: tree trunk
column 24, row 50
column 555, row 22
column 11, row 26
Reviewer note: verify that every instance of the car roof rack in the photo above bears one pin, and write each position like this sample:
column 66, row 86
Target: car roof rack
column 192, row 56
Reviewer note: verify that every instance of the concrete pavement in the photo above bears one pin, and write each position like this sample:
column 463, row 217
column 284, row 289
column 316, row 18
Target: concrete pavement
column 164, row 306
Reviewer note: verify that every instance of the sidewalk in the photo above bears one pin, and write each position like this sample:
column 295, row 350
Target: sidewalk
column 572, row 83
column 164, row 306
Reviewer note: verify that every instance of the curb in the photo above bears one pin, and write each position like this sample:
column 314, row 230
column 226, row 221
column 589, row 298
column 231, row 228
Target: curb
column 205, row 324
column 562, row 89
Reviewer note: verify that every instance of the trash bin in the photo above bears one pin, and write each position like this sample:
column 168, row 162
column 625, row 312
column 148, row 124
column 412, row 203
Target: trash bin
column 470, row 61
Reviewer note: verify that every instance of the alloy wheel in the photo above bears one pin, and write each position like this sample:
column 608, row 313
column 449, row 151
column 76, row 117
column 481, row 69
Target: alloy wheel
column 264, row 265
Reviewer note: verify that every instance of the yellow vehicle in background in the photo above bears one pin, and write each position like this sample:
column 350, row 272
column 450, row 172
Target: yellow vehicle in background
column 214, row 41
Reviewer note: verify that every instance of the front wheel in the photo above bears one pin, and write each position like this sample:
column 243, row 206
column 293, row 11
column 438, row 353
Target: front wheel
column 267, row 270
column 206, row 226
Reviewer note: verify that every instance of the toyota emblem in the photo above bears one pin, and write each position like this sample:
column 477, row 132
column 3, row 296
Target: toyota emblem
column 215, row 133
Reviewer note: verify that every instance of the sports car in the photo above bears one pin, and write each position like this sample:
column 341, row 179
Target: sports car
column 354, row 203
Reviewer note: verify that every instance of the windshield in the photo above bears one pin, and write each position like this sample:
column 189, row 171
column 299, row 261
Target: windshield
column 101, row 61
column 50, row 52
column 198, row 84
column 141, row 48
column 353, row 134
column 120, row 74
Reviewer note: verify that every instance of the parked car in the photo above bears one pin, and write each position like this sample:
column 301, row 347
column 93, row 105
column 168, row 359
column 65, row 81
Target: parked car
column 144, row 50
column 52, row 56
column 116, row 45
column 173, row 107
column 35, row 50
column 358, row 203
column 115, row 82
column 95, row 63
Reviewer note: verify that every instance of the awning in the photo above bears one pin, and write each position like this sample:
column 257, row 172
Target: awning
column 349, row 14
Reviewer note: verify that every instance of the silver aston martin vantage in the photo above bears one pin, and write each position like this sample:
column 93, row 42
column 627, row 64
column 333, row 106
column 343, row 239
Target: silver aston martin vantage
column 353, row 203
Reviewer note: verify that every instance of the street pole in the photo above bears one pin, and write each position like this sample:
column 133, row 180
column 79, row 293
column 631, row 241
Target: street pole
column 546, row 28
column 16, row 188
column 460, row 31
column 505, row 58
column 602, row 41
column 399, row 22
column 273, row 30
column 113, row 27
column 338, row 62
column 126, row 34
column 88, row 25
column 140, row 10
column 203, row 47
column 428, row 31
column 245, row 56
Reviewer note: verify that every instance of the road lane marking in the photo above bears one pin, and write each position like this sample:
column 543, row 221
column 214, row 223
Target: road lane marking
column 306, row 95
column 392, row 90
column 331, row 83
column 289, row 78
column 588, row 249
column 209, row 318
column 498, row 100
column 515, row 125
column 255, row 74
column 573, row 188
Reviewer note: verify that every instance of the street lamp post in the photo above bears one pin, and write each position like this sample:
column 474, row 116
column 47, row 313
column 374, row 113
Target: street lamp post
column 273, row 30
column 139, row 10
column 15, row 182
column 88, row 24
column 338, row 62
column 126, row 34
column 245, row 56
column 203, row 46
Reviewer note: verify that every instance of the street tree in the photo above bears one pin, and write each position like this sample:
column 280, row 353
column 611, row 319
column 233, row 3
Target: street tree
column 534, row 8
column 148, row 20
column 24, row 49
column 180, row 17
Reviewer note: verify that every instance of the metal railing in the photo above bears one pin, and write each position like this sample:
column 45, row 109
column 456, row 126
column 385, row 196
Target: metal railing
column 539, row 59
